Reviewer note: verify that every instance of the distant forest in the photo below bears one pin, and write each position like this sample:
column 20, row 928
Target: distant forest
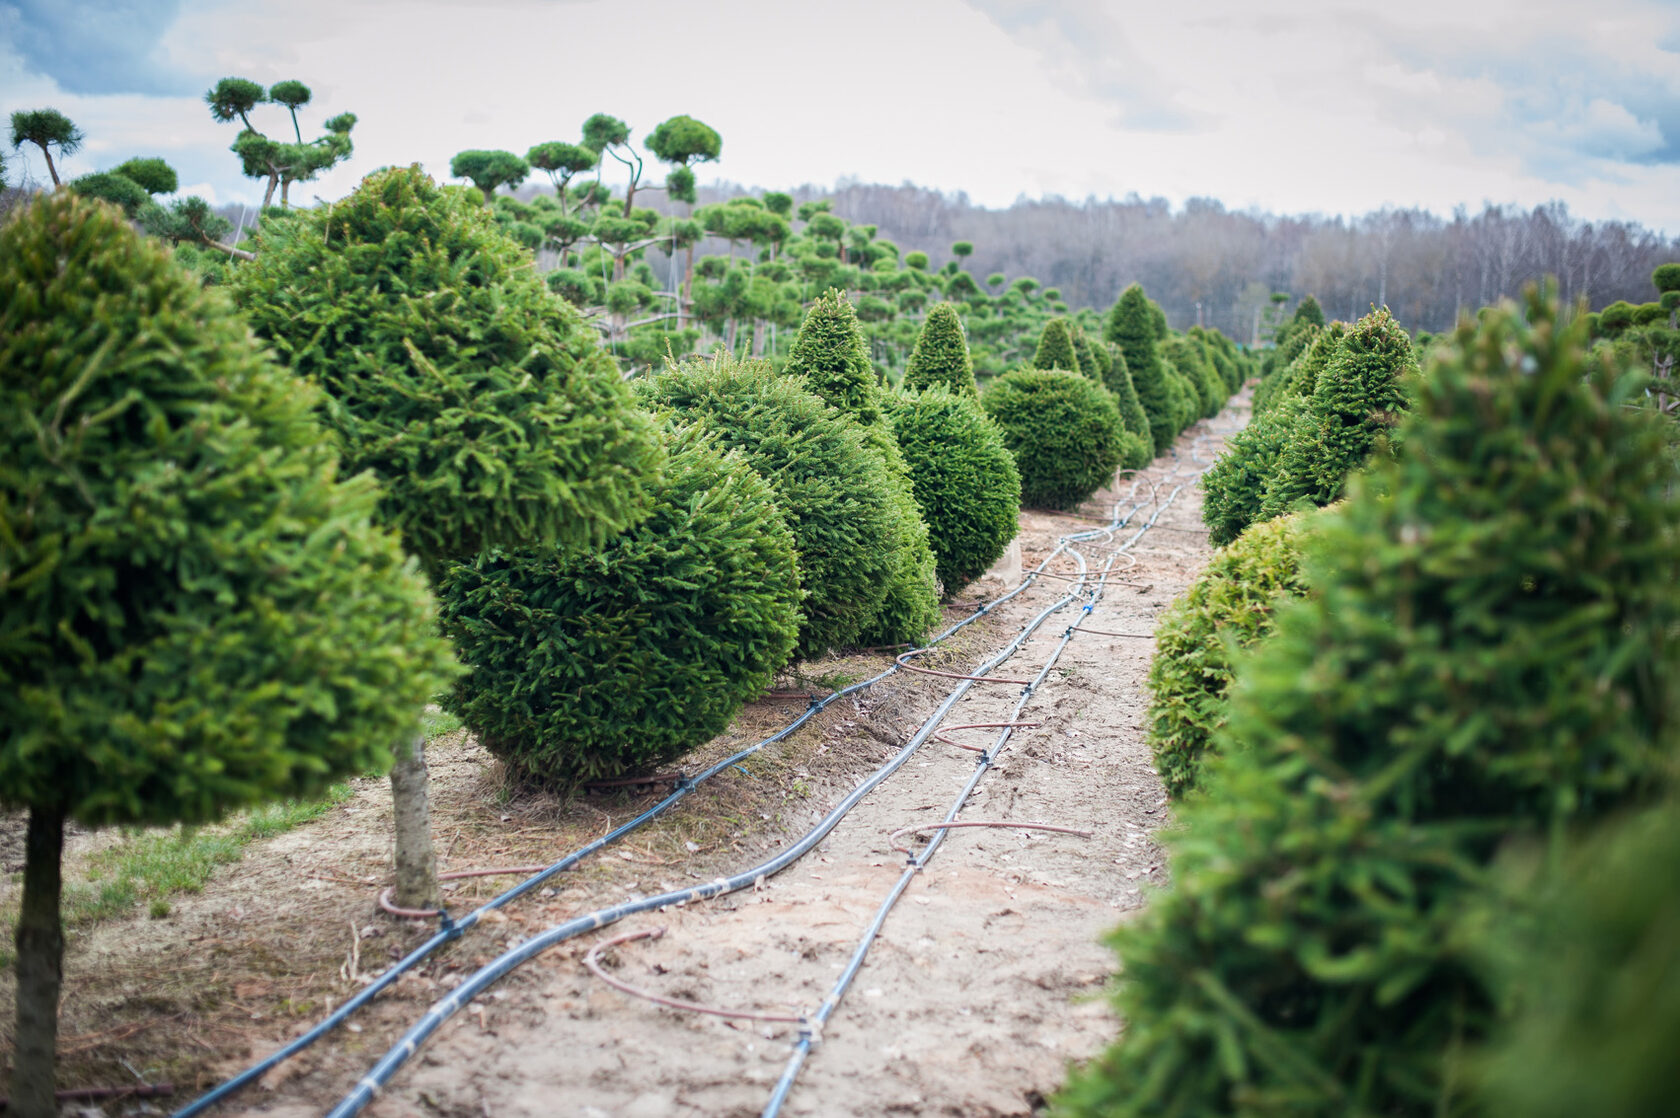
column 1209, row 264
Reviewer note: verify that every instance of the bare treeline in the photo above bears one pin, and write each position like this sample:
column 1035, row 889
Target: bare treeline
column 1204, row 261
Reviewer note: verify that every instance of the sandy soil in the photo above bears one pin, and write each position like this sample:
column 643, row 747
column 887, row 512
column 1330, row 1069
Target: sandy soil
column 986, row 981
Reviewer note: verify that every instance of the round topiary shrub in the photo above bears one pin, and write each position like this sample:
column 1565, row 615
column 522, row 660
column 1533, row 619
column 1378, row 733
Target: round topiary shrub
column 1487, row 655
column 614, row 661
column 1228, row 608
column 964, row 480
column 484, row 404
column 832, row 487
column 1064, row 431
column 200, row 613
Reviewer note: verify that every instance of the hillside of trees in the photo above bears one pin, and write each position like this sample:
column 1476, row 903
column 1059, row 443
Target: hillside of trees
column 1205, row 263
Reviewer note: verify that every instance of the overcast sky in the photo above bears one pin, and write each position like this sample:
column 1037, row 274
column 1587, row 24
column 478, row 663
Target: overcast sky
column 1287, row 105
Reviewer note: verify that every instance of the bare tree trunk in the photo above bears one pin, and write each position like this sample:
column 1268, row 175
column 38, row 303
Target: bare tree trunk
column 51, row 170
column 285, row 194
column 417, row 885
column 40, row 963
column 268, row 195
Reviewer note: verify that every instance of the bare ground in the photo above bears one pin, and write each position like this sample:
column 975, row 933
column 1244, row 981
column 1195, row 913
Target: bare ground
column 986, row 981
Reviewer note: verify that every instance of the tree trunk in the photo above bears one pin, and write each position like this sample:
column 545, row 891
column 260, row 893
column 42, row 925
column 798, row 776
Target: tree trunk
column 268, row 195
column 40, row 963
column 417, row 885
column 51, row 170
column 285, row 194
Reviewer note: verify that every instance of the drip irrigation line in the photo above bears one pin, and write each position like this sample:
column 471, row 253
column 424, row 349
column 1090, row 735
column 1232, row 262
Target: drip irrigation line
column 918, row 827
column 810, row 1033
column 593, row 962
column 1106, row 633
column 488, row 974
column 903, row 662
column 940, row 735
column 450, row 930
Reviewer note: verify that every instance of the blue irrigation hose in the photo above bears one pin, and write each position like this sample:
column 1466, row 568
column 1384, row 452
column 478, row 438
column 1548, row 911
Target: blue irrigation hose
column 485, row 976
column 813, row 1026
column 453, row 929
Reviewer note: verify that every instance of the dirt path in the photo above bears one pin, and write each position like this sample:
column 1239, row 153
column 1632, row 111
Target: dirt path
column 986, row 980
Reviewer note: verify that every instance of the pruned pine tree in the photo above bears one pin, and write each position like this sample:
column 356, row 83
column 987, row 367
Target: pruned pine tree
column 500, row 423
column 172, row 520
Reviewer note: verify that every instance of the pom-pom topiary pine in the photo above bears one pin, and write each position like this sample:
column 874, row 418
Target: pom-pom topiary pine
column 594, row 666
column 832, row 487
column 1228, row 608
column 941, row 353
column 1356, row 402
column 964, row 478
column 1131, row 327
column 198, row 615
column 1063, row 430
column 484, row 405
column 1487, row 652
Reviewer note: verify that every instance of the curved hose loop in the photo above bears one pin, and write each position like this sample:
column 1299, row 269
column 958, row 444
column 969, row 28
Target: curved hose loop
column 450, row 929
column 485, row 976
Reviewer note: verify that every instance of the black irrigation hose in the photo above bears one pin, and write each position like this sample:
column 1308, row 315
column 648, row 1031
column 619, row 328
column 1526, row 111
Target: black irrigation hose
column 450, row 930
column 812, row 1029
column 447, row 1006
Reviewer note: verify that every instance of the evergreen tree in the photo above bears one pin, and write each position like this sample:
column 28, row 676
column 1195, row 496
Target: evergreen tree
column 489, row 170
column 483, row 404
column 1131, row 328
column 941, row 355
column 1065, row 433
column 1356, row 402
column 1089, row 363
column 829, row 353
column 1233, row 489
column 1117, row 378
column 200, row 614
column 46, row 129
column 1055, row 348
column 1487, row 655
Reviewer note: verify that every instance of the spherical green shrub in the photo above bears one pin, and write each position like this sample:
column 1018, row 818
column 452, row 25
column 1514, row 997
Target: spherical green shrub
column 1356, row 402
column 941, row 354
column 832, row 487
column 483, row 403
column 614, row 661
column 1228, row 608
column 1488, row 653
column 196, row 612
column 964, row 479
column 1064, row 431
column 1232, row 490
column 1596, row 977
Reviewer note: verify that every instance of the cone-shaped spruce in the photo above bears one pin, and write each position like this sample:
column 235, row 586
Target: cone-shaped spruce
column 1055, row 348
column 941, row 354
column 1131, row 328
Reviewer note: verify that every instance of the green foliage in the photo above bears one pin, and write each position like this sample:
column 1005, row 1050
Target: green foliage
column 187, row 220
column 611, row 662
column 119, row 190
column 233, row 99
column 1227, row 609
column 1085, row 354
column 685, row 141
column 483, row 404
column 1131, row 328
column 46, row 129
column 1357, row 400
column 172, row 523
column 1487, row 654
column 602, row 131
column 829, row 353
column 1186, row 401
column 964, row 479
column 1055, row 348
column 1117, row 378
column 1209, row 390
column 916, row 261
column 1596, row 978
column 1300, row 377
column 1064, row 431
column 560, row 161
column 1666, row 277
column 833, row 487
column 1235, row 486
column 961, row 249
column 155, row 176
column 941, row 353
column 489, row 170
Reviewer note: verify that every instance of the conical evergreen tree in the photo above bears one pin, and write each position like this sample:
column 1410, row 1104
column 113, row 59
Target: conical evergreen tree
column 941, row 354
column 1356, row 403
column 1089, row 363
column 1234, row 488
column 1055, row 348
column 1488, row 655
column 1131, row 327
column 1118, row 380
column 831, row 355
